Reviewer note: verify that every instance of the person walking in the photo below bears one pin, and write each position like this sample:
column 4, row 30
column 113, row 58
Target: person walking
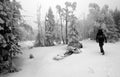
column 101, row 38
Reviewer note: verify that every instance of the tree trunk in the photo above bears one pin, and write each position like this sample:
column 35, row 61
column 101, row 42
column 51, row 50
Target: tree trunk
column 66, row 31
column 62, row 32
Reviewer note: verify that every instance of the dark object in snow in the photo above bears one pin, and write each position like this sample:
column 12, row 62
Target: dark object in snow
column 101, row 38
column 68, row 53
column 73, row 49
column 12, row 70
column 31, row 56
column 75, row 44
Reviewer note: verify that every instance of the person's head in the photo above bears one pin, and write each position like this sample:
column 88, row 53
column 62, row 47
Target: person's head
column 100, row 30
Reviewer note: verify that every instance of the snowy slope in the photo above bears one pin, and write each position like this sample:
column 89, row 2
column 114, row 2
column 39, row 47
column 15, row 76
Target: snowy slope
column 89, row 63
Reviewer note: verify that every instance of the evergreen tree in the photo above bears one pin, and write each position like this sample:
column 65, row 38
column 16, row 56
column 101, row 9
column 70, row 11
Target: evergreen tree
column 116, row 17
column 39, row 38
column 49, row 28
column 102, row 19
column 109, row 24
column 74, row 36
column 9, row 34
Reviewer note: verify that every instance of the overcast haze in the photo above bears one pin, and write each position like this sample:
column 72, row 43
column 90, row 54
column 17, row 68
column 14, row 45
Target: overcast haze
column 30, row 7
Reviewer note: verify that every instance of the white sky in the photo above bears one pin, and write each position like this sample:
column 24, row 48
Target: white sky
column 30, row 7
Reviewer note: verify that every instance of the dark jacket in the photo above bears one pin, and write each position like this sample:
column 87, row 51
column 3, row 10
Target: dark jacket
column 100, row 37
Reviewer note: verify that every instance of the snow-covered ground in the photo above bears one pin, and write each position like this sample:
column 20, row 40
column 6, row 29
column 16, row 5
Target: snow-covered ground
column 26, row 44
column 89, row 63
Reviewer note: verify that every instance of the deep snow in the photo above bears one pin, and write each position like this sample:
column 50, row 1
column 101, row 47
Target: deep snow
column 89, row 63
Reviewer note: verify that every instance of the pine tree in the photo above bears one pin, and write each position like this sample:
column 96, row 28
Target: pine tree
column 49, row 28
column 116, row 17
column 39, row 38
column 74, row 36
column 109, row 25
column 103, row 19
column 9, row 34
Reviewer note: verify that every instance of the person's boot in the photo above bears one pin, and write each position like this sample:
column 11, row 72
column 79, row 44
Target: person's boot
column 102, row 52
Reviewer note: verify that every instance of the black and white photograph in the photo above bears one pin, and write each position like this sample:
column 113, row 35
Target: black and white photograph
column 59, row 38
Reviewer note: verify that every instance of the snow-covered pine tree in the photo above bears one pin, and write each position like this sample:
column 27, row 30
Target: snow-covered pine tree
column 74, row 36
column 9, row 34
column 109, row 25
column 49, row 28
column 103, row 18
column 40, row 38
column 116, row 17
